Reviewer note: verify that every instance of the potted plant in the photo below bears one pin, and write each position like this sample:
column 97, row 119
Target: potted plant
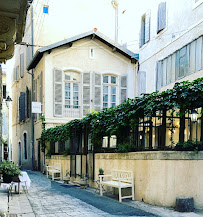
column 10, row 171
column 101, row 172
column 66, row 179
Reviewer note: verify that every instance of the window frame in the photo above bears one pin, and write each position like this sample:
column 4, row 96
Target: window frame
column 71, row 82
column 109, row 93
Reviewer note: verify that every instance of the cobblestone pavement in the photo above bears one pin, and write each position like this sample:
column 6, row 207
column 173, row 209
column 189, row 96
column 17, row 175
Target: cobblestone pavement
column 49, row 199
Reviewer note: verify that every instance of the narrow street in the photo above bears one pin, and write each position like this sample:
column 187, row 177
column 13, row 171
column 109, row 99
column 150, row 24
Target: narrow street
column 49, row 198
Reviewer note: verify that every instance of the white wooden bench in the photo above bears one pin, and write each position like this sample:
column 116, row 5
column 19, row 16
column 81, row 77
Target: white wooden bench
column 118, row 179
column 55, row 169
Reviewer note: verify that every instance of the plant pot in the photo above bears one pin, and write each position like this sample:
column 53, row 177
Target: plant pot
column 99, row 177
column 7, row 178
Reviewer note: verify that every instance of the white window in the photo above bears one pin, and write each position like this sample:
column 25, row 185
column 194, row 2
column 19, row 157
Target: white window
column 109, row 91
column 72, row 81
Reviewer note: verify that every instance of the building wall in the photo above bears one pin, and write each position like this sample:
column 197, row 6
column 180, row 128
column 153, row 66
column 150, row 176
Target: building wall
column 159, row 177
column 63, row 160
column 19, row 84
column 183, row 25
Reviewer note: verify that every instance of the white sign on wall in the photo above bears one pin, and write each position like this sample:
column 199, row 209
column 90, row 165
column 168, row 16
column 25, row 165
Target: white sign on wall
column 36, row 107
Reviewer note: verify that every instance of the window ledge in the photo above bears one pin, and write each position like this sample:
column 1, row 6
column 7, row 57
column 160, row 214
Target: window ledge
column 144, row 45
column 158, row 35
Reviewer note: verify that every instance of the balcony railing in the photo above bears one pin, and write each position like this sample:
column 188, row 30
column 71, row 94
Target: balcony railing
column 71, row 111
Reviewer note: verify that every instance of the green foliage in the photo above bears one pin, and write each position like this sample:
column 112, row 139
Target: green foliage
column 125, row 147
column 66, row 152
column 10, row 168
column 101, row 171
column 190, row 145
column 118, row 120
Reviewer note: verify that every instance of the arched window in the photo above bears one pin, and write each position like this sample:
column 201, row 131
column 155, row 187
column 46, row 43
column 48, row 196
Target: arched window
column 109, row 91
column 72, row 81
column 25, row 145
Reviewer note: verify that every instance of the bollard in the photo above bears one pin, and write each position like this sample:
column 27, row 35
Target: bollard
column 184, row 204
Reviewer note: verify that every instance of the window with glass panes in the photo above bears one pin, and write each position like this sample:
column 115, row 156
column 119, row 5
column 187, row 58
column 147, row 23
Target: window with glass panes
column 72, row 80
column 109, row 91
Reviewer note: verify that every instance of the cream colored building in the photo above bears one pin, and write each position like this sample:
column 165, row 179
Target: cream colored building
column 45, row 24
column 75, row 76
column 4, row 118
column 170, row 44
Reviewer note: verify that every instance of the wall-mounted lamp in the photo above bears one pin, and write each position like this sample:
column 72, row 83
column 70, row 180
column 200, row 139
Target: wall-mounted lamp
column 194, row 115
column 8, row 99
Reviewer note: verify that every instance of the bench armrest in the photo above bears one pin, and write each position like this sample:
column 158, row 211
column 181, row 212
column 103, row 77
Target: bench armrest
column 49, row 167
column 102, row 176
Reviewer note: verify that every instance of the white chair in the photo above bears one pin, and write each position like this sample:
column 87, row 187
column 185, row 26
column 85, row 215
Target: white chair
column 54, row 170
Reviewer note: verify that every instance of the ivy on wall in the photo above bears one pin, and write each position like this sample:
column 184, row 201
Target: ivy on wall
column 118, row 120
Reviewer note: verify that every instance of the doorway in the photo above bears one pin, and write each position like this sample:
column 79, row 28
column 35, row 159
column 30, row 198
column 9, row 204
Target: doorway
column 19, row 154
column 39, row 156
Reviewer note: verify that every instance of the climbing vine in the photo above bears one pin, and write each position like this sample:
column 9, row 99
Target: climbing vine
column 184, row 96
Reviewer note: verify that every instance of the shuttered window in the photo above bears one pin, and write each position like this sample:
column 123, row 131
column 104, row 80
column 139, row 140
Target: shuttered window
column 141, row 82
column 109, row 91
column 123, row 88
column 158, row 75
column 27, row 102
column 161, row 17
column 145, row 29
column 97, row 91
column 86, row 92
column 25, row 145
column 21, row 65
column 58, row 92
column 22, row 107
column 72, row 81
column 28, row 55
column 181, row 63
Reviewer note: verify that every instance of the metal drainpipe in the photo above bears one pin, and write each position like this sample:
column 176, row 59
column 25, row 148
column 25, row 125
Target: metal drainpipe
column 32, row 114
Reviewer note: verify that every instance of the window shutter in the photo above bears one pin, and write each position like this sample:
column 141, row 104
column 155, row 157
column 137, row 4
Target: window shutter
column 28, row 55
column 58, row 106
column 21, row 65
column 16, row 74
column 97, row 91
column 123, row 88
column 198, row 54
column 177, row 64
column 27, row 102
column 161, row 19
column 140, row 35
column 22, row 106
column 147, row 26
column 86, row 92
column 141, row 82
column 192, row 57
column 158, row 75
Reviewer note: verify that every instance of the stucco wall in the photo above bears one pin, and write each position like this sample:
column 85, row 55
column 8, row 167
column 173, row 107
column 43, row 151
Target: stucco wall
column 183, row 25
column 77, row 58
column 63, row 160
column 159, row 176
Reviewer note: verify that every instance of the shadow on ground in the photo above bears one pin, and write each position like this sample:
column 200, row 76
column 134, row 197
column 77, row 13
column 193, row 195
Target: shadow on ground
column 105, row 204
